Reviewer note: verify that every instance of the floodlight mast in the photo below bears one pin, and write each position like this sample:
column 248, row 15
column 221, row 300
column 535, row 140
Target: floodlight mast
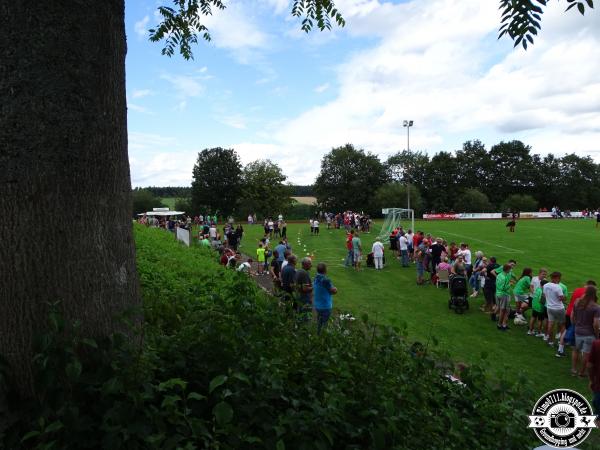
column 407, row 125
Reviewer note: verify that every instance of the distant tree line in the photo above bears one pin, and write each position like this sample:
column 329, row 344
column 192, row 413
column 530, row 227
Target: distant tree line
column 506, row 177
column 170, row 191
column 303, row 191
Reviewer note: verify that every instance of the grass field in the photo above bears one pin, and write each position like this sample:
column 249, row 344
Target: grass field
column 169, row 202
column 391, row 296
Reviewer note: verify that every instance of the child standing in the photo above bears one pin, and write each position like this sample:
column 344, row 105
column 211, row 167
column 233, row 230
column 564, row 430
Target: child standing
column 538, row 312
column 260, row 258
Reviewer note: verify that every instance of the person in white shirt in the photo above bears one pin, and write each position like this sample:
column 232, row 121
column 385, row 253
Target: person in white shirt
column 403, row 244
column 212, row 232
column 410, row 237
column 280, row 218
column 250, row 219
column 378, row 254
column 536, row 281
column 465, row 252
column 316, row 226
column 245, row 267
column 312, row 227
column 555, row 306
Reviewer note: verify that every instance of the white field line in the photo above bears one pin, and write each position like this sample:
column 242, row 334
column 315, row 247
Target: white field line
column 479, row 240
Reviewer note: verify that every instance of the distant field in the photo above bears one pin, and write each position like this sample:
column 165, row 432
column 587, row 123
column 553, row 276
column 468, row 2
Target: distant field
column 169, row 201
column 306, row 200
column 392, row 296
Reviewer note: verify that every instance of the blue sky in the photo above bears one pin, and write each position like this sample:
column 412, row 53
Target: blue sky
column 270, row 91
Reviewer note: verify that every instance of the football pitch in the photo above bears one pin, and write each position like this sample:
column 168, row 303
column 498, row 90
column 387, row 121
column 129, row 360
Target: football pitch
column 392, row 297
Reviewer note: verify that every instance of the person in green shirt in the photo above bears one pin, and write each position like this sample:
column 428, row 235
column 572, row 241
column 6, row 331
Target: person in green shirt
column 205, row 242
column 503, row 286
column 538, row 312
column 260, row 258
column 521, row 292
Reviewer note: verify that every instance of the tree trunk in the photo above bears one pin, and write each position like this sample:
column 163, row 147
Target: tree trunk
column 65, row 189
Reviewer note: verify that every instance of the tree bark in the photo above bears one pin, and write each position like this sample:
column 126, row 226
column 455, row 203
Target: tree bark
column 65, row 190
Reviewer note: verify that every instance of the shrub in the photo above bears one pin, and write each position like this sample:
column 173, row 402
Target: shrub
column 222, row 365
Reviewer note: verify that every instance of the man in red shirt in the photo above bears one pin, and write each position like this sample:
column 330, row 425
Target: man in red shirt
column 350, row 256
column 594, row 372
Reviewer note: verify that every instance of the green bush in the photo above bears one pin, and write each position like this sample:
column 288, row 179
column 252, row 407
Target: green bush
column 218, row 364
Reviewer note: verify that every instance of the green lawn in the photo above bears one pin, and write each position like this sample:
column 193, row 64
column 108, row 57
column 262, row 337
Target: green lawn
column 169, row 202
column 392, row 296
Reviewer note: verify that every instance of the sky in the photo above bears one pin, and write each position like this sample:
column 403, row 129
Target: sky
column 270, row 91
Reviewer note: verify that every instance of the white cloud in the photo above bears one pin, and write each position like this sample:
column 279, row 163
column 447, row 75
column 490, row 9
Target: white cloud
column 138, row 108
column 235, row 28
column 184, row 87
column 234, row 120
column 438, row 64
column 278, row 6
column 322, row 88
column 140, row 93
column 141, row 26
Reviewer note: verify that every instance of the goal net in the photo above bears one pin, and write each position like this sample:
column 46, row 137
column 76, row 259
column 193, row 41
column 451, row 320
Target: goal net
column 395, row 217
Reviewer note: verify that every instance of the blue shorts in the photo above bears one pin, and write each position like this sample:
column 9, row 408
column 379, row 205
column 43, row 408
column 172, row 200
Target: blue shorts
column 420, row 268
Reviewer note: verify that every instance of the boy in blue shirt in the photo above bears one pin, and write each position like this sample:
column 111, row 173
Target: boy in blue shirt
column 323, row 289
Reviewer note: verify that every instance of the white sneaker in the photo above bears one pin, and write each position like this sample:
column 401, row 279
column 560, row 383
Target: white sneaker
column 546, row 337
column 530, row 333
column 540, row 335
column 557, row 336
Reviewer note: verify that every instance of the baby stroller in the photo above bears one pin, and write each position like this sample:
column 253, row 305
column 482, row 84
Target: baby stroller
column 458, row 294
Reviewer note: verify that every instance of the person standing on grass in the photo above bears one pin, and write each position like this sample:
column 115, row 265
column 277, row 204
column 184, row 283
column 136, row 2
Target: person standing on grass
column 465, row 252
column 349, row 262
column 522, row 292
column 323, row 291
column 312, row 226
column 212, row 232
column 271, row 226
column 316, row 226
column 403, row 247
column 586, row 319
column 304, row 285
column 503, row 284
column 275, row 270
column 597, row 217
column 475, row 280
column 283, row 229
column 577, row 294
column 436, row 250
column 411, row 249
column 356, row 250
column 420, row 252
column 280, row 249
column 556, row 310
column 537, row 280
column 260, row 258
column 378, row 254
column 539, row 315
column 288, row 275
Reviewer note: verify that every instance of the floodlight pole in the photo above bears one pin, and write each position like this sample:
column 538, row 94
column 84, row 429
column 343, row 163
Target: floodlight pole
column 407, row 125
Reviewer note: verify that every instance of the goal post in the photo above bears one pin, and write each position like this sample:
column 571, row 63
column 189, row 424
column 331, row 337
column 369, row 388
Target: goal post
column 395, row 217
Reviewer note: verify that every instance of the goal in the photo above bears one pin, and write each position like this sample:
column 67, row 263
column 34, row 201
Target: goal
column 395, row 217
